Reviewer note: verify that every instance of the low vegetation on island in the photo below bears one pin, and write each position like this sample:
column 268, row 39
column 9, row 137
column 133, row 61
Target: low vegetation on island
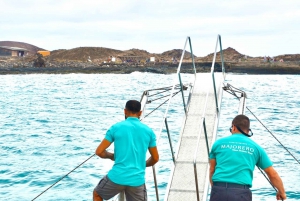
column 106, row 60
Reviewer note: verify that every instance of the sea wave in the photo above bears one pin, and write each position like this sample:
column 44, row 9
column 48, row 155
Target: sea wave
column 52, row 123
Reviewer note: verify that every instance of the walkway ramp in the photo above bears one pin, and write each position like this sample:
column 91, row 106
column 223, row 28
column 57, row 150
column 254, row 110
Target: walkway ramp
column 182, row 184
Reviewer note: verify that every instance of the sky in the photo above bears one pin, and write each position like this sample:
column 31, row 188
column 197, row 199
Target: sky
column 253, row 28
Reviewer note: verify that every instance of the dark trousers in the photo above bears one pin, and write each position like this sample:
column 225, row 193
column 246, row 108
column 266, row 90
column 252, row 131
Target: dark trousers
column 228, row 193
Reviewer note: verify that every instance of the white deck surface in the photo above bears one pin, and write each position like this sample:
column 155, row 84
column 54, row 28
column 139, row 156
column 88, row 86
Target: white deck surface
column 181, row 186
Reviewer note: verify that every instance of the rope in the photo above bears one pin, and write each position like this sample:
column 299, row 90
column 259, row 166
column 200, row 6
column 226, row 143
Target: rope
column 63, row 177
column 160, row 105
column 159, row 98
column 163, row 88
column 232, row 90
column 274, row 136
column 166, row 90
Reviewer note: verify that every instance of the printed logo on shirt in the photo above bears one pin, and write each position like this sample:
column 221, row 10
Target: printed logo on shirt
column 240, row 147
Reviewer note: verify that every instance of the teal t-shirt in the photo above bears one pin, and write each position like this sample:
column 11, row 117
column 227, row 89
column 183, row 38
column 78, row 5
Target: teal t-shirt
column 131, row 140
column 236, row 157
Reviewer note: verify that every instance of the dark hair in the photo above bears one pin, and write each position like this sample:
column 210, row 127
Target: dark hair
column 242, row 122
column 133, row 106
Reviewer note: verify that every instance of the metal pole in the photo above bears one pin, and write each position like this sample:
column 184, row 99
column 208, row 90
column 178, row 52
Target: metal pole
column 215, row 92
column 190, row 42
column 155, row 183
column 213, row 76
column 195, row 159
column 122, row 196
column 205, row 132
column 144, row 101
column 196, row 181
column 182, row 94
column 170, row 141
column 222, row 57
column 242, row 105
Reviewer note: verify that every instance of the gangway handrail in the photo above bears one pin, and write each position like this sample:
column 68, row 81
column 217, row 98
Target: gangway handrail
column 202, row 124
column 181, row 85
column 164, row 121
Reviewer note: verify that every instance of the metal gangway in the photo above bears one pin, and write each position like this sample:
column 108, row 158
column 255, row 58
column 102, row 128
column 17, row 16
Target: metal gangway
column 189, row 177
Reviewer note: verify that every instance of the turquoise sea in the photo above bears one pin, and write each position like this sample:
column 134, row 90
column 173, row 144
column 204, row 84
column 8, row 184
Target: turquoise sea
column 52, row 123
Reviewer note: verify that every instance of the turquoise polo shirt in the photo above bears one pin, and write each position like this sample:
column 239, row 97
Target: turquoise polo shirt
column 131, row 140
column 236, row 157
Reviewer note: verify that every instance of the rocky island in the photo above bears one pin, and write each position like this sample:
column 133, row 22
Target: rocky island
column 106, row 60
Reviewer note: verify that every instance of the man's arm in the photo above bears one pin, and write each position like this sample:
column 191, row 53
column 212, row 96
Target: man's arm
column 212, row 166
column 153, row 158
column 101, row 150
column 276, row 181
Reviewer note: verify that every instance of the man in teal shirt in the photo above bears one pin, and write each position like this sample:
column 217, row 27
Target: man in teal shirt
column 232, row 162
column 131, row 140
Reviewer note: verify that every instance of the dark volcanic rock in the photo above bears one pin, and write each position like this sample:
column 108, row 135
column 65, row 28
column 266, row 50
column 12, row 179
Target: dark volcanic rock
column 39, row 61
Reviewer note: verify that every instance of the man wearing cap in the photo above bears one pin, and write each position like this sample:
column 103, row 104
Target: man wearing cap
column 232, row 162
column 131, row 140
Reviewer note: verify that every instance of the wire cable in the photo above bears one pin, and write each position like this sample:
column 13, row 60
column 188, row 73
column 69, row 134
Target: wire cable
column 160, row 105
column 232, row 90
column 274, row 136
column 63, row 177
column 268, row 179
column 165, row 88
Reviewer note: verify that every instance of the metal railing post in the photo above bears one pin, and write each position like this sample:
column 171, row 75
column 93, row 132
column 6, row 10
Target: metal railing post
column 193, row 61
column 212, row 72
column 196, row 181
column 155, row 182
column 170, row 142
column 184, row 106
column 221, row 55
column 206, row 139
column 195, row 160
column 122, row 196
column 215, row 92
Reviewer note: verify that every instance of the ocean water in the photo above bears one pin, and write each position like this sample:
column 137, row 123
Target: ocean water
column 50, row 124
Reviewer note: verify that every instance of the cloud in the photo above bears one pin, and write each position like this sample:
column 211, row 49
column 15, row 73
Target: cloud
column 251, row 27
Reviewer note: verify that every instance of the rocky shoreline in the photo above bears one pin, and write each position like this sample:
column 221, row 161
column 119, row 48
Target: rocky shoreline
column 264, row 67
column 128, row 70
column 23, row 66
column 96, row 70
